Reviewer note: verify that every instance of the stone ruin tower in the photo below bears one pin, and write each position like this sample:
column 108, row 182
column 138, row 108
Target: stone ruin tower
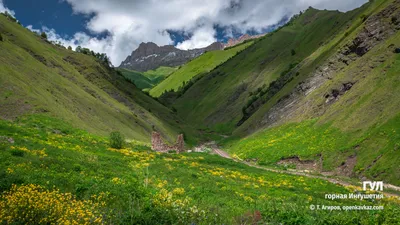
column 158, row 145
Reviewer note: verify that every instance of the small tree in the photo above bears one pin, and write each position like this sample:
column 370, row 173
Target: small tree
column 85, row 51
column 293, row 52
column 70, row 48
column 117, row 140
column 43, row 35
column 1, row 38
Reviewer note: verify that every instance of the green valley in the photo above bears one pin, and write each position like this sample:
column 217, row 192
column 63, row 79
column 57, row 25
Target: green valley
column 324, row 100
column 262, row 132
column 138, row 186
column 203, row 64
column 149, row 79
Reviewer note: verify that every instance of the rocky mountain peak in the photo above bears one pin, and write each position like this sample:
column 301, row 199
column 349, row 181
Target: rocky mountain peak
column 149, row 56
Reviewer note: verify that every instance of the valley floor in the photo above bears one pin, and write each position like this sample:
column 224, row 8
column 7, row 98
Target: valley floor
column 343, row 181
column 71, row 175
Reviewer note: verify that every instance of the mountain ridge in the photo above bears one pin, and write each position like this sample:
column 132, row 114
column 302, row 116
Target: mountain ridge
column 245, row 37
column 150, row 56
column 73, row 86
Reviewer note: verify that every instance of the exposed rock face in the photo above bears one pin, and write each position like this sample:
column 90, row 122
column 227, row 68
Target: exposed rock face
column 376, row 29
column 245, row 37
column 158, row 145
column 149, row 56
column 309, row 165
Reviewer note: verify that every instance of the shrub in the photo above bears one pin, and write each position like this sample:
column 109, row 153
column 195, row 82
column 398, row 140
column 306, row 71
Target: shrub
column 17, row 152
column 394, row 20
column 9, row 16
column 1, row 38
column 43, row 35
column 364, row 17
column 117, row 140
column 70, row 48
column 293, row 52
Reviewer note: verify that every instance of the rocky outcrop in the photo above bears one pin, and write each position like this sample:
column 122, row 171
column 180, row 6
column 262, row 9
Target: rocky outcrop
column 376, row 29
column 241, row 39
column 149, row 56
column 158, row 145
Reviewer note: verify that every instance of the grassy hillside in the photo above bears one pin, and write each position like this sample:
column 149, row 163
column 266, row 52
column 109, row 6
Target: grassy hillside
column 39, row 77
column 202, row 64
column 360, row 123
column 322, row 91
column 215, row 102
column 73, row 176
column 333, row 99
column 149, row 79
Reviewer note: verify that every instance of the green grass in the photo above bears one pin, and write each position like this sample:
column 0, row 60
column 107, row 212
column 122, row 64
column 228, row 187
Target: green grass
column 314, row 62
column 143, row 187
column 305, row 140
column 160, row 73
column 149, row 79
column 37, row 76
column 215, row 102
column 376, row 151
column 202, row 64
column 137, row 182
column 363, row 119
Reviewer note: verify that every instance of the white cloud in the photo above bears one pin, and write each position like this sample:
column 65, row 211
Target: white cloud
column 130, row 22
column 30, row 27
column 202, row 37
column 5, row 9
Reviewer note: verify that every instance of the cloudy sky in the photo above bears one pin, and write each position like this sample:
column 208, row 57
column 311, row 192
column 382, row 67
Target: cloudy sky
column 117, row 27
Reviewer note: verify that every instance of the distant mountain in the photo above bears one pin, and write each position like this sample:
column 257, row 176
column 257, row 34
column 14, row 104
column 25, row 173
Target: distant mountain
column 149, row 56
column 241, row 39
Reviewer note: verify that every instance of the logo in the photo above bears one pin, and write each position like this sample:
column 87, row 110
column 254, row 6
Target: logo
column 373, row 185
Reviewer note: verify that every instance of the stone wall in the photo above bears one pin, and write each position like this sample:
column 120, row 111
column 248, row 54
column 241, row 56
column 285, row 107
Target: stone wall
column 158, row 145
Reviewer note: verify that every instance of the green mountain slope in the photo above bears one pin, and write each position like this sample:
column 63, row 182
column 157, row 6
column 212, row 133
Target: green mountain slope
column 201, row 64
column 140, row 80
column 322, row 88
column 216, row 101
column 321, row 94
column 39, row 77
column 353, row 97
column 148, row 79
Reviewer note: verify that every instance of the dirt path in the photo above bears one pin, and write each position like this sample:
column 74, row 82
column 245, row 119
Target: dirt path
column 224, row 154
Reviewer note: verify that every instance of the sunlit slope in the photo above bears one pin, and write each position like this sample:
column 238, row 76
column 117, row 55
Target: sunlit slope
column 216, row 101
column 165, row 188
column 149, row 79
column 344, row 106
column 39, row 77
column 197, row 66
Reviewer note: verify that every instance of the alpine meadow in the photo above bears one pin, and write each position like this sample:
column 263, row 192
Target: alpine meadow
column 295, row 123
